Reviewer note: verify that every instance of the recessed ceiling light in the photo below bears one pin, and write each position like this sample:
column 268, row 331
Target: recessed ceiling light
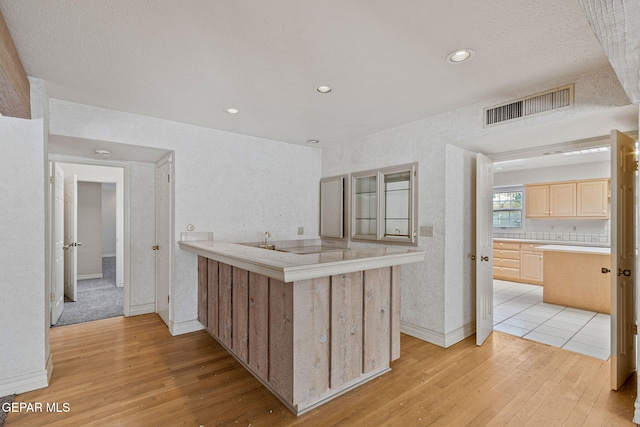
column 232, row 110
column 460, row 56
column 323, row 89
column 312, row 141
column 102, row 153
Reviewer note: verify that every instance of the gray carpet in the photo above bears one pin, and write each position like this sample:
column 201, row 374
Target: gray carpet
column 97, row 298
column 3, row 400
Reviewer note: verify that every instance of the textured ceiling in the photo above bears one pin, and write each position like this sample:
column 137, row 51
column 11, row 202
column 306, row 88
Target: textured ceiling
column 189, row 60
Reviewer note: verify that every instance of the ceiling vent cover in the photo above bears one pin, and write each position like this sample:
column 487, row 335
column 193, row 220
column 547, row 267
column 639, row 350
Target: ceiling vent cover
column 544, row 102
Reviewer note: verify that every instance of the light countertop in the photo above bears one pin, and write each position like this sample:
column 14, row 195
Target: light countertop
column 576, row 249
column 290, row 266
column 554, row 242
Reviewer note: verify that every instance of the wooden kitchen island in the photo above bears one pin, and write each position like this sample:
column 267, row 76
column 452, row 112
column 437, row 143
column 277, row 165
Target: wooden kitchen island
column 573, row 277
column 309, row 326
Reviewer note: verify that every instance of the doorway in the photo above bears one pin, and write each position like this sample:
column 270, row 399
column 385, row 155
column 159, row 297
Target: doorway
column 94, row 223
column 622, row 167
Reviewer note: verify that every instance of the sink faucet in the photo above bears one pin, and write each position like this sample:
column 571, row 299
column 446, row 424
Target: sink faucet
column 266, row 236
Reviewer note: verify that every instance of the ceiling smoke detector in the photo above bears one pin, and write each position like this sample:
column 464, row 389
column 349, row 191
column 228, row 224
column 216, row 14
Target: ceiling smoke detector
column 102, row 153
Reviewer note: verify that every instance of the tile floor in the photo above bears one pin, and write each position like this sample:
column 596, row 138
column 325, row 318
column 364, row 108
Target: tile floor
column 519, row 310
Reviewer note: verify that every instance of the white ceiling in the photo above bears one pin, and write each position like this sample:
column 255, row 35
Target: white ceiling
column 189, row 60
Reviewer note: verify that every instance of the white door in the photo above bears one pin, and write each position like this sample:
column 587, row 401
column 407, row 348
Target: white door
column 484, row 248
column 163, row 238
column 57, row 284
column 70, row 233
column 623, row 257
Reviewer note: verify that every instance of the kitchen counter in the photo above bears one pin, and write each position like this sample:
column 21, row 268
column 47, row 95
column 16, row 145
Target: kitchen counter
column 291, row 266
column 310, row 323
column 554, row 242
column 576, row 249
column 573, row 277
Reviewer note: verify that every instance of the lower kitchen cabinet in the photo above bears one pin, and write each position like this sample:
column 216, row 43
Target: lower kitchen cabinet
column 530, row 264
column 517, row 262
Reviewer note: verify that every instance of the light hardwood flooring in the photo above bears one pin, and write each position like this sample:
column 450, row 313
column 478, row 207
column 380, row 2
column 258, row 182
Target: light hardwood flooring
column 132, row 372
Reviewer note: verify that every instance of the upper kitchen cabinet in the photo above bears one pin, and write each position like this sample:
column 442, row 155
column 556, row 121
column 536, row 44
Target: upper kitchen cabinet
column 593, row 199
column 537, row 201
column 562, row 199
column 385, row 205
column 587, row 199
column 333, row 207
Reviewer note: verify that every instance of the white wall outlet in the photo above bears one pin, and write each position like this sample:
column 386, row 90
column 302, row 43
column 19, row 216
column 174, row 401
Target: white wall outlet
column 300, row 231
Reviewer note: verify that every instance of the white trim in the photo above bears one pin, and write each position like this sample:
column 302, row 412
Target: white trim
column 90, row 276
column 136, row 310
column 438, row 338
column 26, row 382
column 108, row 255
column 184, row 327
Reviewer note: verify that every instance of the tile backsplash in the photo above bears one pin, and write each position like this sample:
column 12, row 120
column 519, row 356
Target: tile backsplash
column 594, row 231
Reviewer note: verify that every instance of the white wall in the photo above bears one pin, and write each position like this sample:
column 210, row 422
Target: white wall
column 235, row 185
column 435, row 302
column 89, row 230
column 108, row 220
column 24, row 306
column 142, row 229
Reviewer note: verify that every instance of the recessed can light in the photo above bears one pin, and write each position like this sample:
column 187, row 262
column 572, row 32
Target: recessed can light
column 102, row 153
column 460, row 56
column 312, row 141
column 232, row 110
column 323, row 89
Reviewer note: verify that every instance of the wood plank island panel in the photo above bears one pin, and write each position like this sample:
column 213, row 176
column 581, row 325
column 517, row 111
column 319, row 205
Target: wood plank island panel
column 212, row 296
column 203, row 283
column 305, row 340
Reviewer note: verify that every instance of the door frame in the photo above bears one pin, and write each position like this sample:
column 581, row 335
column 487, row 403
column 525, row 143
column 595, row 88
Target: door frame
column 59, row 158
column 168, row 159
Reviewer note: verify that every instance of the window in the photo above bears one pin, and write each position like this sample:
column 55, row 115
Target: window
column 507, row 208
column 384, row 204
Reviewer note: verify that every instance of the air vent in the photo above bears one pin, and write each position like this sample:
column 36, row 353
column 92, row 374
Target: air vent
column 551, row 100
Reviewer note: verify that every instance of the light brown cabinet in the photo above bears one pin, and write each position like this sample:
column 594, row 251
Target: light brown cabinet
column 506, row 260
column 531, row 263
column 593, row 199
column 517, row 262
column 562, row 199
column 588, row 199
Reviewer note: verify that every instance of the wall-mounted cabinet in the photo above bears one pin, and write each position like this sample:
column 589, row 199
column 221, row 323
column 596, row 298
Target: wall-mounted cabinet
column 334, row 207
column 587, row 199
column 385, row 204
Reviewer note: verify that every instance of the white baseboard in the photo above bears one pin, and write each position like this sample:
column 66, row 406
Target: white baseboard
column 108, row 255
column 136, row 310
column 90, row 276
column 438, row 338
column 185, row 327
column 24, row 383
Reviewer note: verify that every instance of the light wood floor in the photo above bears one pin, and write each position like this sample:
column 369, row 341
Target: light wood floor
column 132, row 372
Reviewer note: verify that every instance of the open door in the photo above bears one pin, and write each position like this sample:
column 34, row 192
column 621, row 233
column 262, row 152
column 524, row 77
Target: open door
column 484, row 248
column 623, row 257
column 70, row 233
column 163, row 237
column 57, row 284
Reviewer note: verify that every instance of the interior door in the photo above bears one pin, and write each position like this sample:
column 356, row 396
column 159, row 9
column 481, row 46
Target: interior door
column 163, row 238
column 484, row 248
column 623, row 257
column 70, row 233
column 57, row 284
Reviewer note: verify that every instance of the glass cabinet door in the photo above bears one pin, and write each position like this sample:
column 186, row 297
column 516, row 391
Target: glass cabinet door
column 366, row 207
column 384, row 204
column 397, row 204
